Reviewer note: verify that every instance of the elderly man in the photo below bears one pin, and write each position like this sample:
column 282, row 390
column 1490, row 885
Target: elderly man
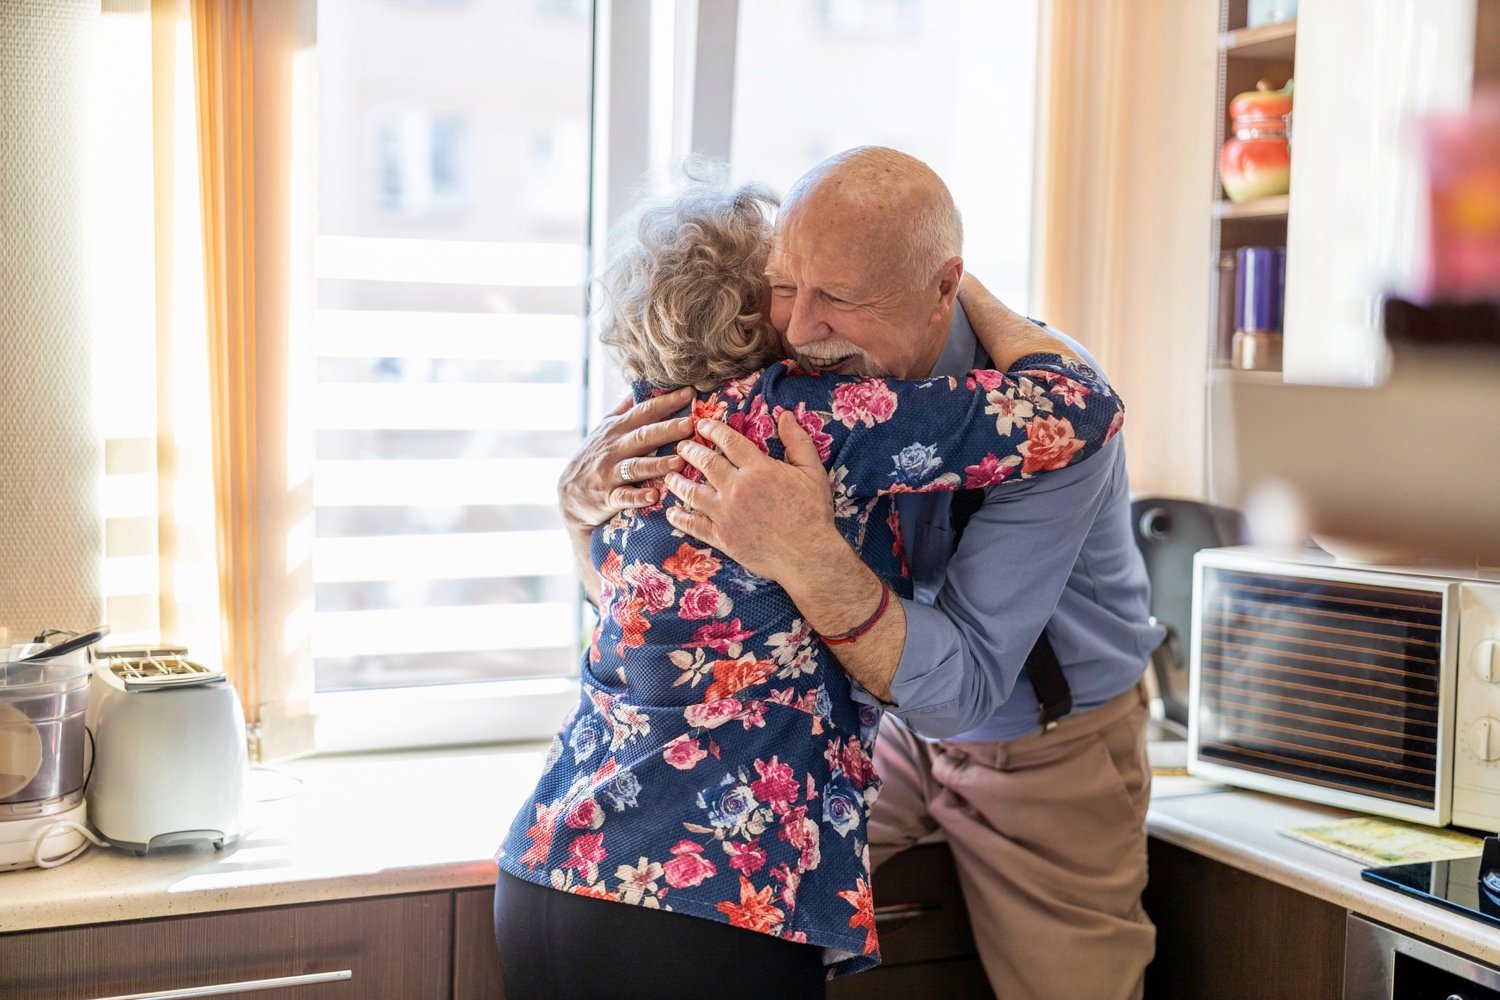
column 1015, row 673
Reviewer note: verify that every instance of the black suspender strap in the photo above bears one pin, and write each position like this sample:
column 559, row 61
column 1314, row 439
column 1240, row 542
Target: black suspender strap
column 1042, row 669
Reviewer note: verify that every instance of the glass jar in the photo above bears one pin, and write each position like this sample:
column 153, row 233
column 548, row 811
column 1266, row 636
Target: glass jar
column 1256, row 161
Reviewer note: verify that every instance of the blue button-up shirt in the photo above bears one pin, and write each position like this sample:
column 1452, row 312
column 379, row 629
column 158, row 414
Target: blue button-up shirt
column 1055, row 552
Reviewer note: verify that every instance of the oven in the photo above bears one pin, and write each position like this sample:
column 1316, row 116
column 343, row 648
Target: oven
column 1385, row 964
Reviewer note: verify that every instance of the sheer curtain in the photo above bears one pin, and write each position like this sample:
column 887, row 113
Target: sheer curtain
column 208, row 497
column 1124, row 182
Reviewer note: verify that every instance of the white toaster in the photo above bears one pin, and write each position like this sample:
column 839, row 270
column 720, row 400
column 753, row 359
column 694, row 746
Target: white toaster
column 169, row 756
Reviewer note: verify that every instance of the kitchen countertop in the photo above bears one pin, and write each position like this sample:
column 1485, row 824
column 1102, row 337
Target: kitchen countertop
column 333, row 827
column 343, row 827
column 1239, row 828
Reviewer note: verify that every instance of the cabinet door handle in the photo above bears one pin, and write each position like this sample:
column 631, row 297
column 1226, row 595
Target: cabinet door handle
column 280, row 982
column 900, row 913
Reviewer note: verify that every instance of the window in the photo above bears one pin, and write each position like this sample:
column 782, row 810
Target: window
column 454, row 242
column 451, row 265
column 950, row 81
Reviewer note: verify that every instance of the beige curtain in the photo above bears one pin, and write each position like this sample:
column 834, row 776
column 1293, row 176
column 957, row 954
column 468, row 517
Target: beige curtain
column 1124, row 184
column 253, row 71
column 223, row 69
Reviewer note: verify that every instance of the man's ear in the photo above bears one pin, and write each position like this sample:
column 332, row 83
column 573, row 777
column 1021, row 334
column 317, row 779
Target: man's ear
column 949, row 277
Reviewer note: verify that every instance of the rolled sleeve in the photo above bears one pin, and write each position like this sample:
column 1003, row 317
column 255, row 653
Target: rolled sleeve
column 935, row 691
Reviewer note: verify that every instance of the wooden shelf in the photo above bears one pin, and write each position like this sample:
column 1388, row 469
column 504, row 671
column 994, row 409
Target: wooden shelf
column 1223, row 373
column 1268, row 41
column 1274, row 207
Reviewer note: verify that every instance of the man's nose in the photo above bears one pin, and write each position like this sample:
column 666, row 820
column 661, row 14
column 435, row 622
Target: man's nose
column 805, row 325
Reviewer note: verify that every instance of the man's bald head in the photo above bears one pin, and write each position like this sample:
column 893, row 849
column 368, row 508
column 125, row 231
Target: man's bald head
column 896, row 203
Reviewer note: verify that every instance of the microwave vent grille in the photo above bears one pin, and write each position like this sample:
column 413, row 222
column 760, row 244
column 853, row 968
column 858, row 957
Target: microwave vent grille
column 1322, row 681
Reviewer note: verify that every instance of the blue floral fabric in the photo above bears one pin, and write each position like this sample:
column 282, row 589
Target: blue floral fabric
column 716, row 764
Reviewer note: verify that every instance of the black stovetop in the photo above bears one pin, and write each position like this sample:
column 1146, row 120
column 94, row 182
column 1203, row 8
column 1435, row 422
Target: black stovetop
column 1453, row 885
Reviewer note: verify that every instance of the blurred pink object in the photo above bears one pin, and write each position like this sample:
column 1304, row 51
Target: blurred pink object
column 1463, row 171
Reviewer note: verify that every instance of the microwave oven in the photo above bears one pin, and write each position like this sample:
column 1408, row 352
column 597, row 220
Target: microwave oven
column 1371, row 688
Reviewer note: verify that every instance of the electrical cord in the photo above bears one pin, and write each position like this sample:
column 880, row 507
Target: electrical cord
column 64, row 824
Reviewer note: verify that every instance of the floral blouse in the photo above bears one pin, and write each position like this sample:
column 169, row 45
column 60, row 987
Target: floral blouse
column 716, row 764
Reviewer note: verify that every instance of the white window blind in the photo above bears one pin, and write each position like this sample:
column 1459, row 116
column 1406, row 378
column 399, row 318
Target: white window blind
column 451, row 264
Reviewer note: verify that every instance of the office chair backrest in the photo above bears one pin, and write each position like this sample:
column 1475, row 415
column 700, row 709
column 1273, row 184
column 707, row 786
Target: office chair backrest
column 1168, row 532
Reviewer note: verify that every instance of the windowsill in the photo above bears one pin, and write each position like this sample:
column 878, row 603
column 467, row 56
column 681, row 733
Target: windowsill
column 357, row 825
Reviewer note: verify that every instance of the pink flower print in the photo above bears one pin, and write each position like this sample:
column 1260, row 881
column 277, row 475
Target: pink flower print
column 986, row 377
column 857, row 764
column 689, row 867
column 684, row 753
column 813, row 423
column 740, row 388
column 867, row 402
column 777, row 787
column 654, row 588
column 754, row 716
column 1115, row 425
column 746, row 858
column 584, row 854
column 790, row 882
column 1050, row 444
column 802, row 833
column 756, row 425
column 585, row 814
column 1071, row 392
column 721, row 637
column 704, row 600
column 713, row 714
column 989, row 471
column 833, row 754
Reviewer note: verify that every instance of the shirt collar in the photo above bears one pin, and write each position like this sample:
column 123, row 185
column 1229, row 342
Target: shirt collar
column 961, row 351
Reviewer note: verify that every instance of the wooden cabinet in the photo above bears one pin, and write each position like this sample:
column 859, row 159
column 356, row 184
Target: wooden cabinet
column 397, row 947
column 1223, row 933
column 476, row 962
column 926, row 944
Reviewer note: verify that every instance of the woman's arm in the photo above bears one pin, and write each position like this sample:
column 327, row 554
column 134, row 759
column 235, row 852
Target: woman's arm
column 902, row 436
column 1005, row 334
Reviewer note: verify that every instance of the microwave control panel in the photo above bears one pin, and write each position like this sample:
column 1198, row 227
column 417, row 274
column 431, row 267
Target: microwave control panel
column 1476, row 760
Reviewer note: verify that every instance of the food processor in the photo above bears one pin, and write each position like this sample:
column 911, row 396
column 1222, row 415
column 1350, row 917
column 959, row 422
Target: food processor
column 44, row 691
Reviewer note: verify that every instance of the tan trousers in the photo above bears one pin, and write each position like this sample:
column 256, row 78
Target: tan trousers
column 1048, row 832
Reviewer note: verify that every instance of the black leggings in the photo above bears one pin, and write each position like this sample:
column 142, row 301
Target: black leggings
column 561, row 946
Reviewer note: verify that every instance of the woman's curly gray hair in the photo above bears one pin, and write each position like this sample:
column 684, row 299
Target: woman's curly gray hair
column 685, row 299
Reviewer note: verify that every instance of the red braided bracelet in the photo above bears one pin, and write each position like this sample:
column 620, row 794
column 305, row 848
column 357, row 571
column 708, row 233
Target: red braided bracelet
column 869, row 623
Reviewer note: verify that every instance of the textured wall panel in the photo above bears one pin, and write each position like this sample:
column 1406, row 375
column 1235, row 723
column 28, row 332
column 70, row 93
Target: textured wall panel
column 50, row 459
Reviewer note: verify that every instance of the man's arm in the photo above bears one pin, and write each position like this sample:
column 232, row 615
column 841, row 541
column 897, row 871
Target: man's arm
column 745, row 507
column 590, row 490
column 946, row 668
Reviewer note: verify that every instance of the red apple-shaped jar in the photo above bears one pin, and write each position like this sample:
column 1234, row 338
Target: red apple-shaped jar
column 1257, row 162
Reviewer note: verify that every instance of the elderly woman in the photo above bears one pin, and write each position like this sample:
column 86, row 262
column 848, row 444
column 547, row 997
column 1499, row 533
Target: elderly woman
column 716, row 773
